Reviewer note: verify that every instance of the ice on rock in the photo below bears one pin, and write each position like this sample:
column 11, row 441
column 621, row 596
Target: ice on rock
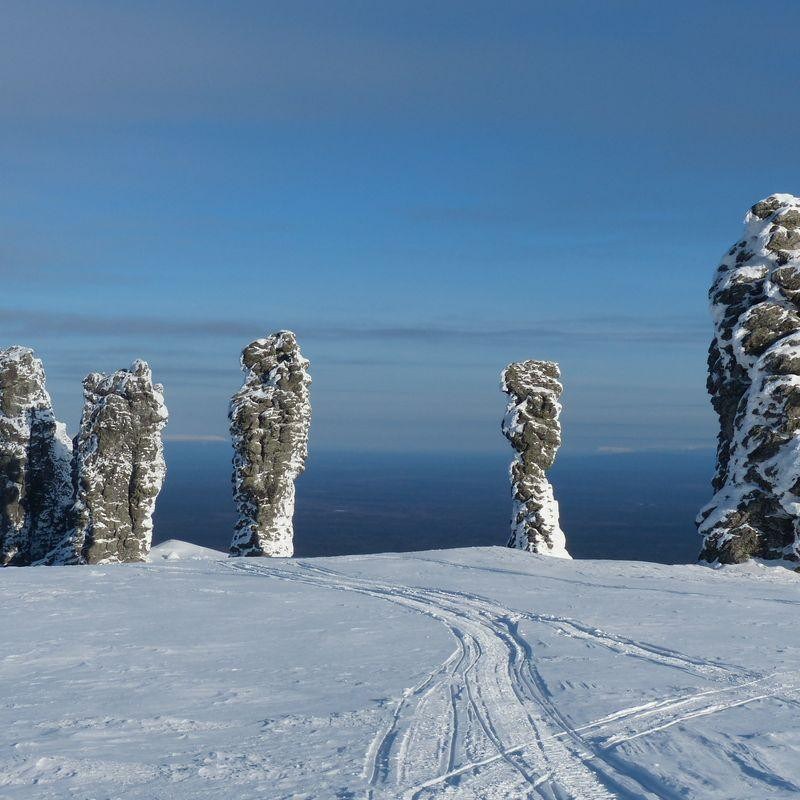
column 35, row 455
column 531, row 425
column 269, row 422
column 119, row 469
column 754, row 383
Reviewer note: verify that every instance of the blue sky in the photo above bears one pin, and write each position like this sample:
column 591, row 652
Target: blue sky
column 423, row 192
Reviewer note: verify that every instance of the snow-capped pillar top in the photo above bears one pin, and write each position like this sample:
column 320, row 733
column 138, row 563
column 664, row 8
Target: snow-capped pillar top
column 22, row 382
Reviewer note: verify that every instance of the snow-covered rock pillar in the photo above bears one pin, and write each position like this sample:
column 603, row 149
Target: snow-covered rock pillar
column 35, row 454
column 119, row 468
column 269, row 422
column 531, row 425
column 754, row 382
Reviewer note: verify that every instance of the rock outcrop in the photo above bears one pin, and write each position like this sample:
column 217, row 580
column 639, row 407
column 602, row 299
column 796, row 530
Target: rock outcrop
column 531, row 425
column 754, row 382
column 35, row 454
column 269, row 422
column 118, row 469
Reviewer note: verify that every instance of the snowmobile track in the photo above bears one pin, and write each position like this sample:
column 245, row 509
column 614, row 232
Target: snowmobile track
column 483, row 720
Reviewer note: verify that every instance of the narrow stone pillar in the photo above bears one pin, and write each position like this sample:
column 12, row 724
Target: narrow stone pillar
column 269, row 423
column 531, row 425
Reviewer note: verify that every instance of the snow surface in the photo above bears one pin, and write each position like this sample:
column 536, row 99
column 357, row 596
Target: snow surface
column 175, row 549
column 473, row 673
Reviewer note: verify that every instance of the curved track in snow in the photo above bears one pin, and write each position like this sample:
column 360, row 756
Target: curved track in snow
column 482, row 723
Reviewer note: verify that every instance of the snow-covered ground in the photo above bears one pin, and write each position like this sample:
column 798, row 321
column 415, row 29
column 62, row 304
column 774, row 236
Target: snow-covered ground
column 480, row 673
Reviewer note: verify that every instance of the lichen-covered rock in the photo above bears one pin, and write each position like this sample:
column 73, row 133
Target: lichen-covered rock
column 754, row 382
column 118, row 469
column 35, row 454
column 532, row 426
column 269, row 422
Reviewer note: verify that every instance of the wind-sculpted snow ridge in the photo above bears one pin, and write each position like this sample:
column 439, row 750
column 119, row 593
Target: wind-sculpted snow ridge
column 754, row 382
column 531, row 425
column 269, row 422
column 119, row 468
column 35, row 454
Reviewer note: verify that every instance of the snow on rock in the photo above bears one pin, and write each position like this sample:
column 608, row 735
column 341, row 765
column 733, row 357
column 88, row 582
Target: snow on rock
column 269, row 422
column 119, row 468
column 176, row 550
column 35, row 455
column 531, row 425
column 754, row 382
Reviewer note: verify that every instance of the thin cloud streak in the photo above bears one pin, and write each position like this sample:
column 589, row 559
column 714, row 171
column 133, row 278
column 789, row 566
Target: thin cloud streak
column 655, row 448
column 194, row 437
column 632, row 330
column 38, row 322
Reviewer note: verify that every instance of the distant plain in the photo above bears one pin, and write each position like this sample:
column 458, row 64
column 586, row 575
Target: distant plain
column 629, row 506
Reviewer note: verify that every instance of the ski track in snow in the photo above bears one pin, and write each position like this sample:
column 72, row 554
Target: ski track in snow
column 482, row 724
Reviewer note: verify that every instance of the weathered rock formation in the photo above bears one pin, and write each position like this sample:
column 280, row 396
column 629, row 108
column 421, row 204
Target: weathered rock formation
column 754, row 382
column 269, row 421
column 531, row 425
column 118, row 469
column 35, row 453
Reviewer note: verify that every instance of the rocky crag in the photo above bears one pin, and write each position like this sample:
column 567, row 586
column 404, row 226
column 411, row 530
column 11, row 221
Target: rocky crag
column 532, row 426
column 35, row 455
column 754, row 383
column 118, row 469
column 269, row 423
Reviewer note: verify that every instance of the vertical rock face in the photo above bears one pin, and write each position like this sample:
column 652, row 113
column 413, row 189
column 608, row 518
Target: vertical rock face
column 118, row 468
column 531, row 425
column 269, row 422
column 35, row 453
column 754, row 382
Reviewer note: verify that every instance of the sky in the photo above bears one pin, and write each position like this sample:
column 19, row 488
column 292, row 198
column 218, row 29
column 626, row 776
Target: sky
column 422, row 191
